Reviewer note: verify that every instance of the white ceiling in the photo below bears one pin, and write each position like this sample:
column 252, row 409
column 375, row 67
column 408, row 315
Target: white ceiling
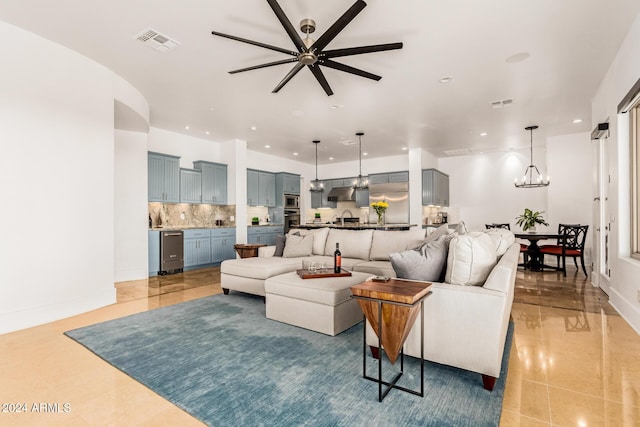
column 570, row 44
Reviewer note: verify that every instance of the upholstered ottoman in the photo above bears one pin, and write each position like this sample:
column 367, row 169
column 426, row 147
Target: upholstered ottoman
column 323, row 305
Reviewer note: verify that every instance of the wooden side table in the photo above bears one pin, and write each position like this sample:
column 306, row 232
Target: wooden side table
column 402, row 301
column 248, row 250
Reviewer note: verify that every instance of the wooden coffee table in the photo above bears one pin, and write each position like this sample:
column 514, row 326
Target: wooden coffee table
column 402, row 301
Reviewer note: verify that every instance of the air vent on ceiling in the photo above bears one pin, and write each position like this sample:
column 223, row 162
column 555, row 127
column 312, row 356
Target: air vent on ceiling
column 347, row 142
column 459, row 152
column 153, row 39
column 501, row 103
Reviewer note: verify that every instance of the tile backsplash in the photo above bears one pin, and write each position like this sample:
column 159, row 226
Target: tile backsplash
column 187, row 215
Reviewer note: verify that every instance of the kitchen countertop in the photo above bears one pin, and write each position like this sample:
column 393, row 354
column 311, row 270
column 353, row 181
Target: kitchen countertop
column 271, row 224
column 358, row 226
column 189, row 228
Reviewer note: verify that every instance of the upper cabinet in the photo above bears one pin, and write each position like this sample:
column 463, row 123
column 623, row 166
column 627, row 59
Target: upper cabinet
column 163, row 178
column 435, row 188
column 261, row 188
column 386, row 178
column 190, row 186
column 214, row 182
column 287, row 183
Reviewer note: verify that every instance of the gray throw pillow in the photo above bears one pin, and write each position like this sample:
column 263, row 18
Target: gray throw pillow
column 425, row 263
column 298, row 246
column 443, row 230
column 280, row 240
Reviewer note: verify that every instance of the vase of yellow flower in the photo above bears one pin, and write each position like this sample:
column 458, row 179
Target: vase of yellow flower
column 380, row 207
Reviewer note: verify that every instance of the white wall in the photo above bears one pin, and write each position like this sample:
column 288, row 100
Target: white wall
column 621, row 76
column 188, row 148
column 57, row 170
column 131, row 220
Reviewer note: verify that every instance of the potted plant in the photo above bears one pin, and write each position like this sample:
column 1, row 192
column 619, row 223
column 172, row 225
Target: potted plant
column 529, row 219
column 255, row 221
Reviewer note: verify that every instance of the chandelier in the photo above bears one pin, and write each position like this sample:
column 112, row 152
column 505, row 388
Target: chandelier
column 361, row 183
column 532, row 178
column 316, row 186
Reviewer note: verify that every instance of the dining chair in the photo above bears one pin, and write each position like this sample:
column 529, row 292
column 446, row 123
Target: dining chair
column 570, row 245
column 524, row 249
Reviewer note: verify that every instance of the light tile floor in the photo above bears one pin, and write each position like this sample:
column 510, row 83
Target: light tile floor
column 574, row 361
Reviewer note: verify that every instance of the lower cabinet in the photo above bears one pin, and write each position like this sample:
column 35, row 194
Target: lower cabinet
column 197, row 247
column 154, row 253
column 222, row 241
column 265, row 235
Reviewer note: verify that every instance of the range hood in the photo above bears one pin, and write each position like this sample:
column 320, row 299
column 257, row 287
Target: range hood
column 341, row 194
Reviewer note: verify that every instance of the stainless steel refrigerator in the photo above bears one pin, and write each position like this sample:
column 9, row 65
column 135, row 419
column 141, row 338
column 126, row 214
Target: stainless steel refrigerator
column 397, row 195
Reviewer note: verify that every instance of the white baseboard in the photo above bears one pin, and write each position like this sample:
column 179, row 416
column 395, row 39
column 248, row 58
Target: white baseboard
column 34, row 316
column 128, row 275
column 627, row 310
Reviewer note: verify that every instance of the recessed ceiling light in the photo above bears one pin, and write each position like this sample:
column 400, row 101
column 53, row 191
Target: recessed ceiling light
column 187, row 127
column 446, row 79
column 253, row 128
column 483, row 134
column 335, row 106
column 295, row 154
column 207, row 133
column 365, row 154
column 577, row 121
column 330, row 158
column 267, row 146
column 211, row 109
column 404, row 148
column 518, row 57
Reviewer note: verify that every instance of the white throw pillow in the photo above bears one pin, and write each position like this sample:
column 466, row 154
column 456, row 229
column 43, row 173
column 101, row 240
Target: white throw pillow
column 298, row 246
column 319, row 237
column 471, row 258
column 502, row 239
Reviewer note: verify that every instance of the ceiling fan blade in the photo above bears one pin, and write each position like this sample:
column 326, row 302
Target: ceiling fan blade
column 339, row 25
column 288, row 77
column 266, row 46
column 347, row 69
column 269, row 64
column 361, row 49
column 319, row 75
column 288, row 27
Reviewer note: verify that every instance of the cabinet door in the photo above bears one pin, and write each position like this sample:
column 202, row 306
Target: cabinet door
column 190, row 186
column 172, row 179
column 378, row 178
column 399, row 177
column 316, row 199
column 253, row 187
column 292, row 184
column 267, row 189
column 427, row 187
column 441, row 188
column 204, row 251
column 208, row 182
column 220, row 185
column 155, row 165
column 190, row 252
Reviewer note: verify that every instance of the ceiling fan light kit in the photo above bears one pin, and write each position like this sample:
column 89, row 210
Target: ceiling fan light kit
column 532, row 178
column 311, row 53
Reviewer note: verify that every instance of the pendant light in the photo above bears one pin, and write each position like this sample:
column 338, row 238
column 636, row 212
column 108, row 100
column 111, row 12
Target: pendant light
column 532, row 178
column 316, row 186
column 361, row 183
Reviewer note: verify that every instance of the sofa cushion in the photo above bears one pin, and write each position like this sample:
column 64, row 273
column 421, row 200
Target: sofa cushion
column 280, row 242
column 353, row 243
column 298, row 246
column 471, row 258
column 384, row 243
column 502, row 239
column 259, row 267
column 319, row 238
column 434, row 233
column 425, row 263
column 378, row 268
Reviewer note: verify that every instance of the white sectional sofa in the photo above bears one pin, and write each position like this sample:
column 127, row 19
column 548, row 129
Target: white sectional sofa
column 465, row 326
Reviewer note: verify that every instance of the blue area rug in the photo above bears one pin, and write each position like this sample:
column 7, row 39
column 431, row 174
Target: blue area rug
column 222, row 361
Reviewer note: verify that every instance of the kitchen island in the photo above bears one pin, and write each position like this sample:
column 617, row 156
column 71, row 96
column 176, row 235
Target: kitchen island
column 358, row 226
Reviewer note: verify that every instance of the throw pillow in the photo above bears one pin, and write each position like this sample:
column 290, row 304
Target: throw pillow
column 280, row 241
column 461, row 228
column 425, row 263
column 443, row 230
column 471, row 258
column 502, row 239
column 298, row 246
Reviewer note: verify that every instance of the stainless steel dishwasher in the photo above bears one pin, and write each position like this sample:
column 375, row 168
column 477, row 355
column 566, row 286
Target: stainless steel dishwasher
column 171, row 251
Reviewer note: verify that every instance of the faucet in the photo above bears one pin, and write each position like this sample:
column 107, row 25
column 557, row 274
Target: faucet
column 342, row 215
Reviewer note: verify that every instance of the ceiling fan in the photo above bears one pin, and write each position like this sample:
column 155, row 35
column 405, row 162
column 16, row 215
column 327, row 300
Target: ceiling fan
column 311, row 52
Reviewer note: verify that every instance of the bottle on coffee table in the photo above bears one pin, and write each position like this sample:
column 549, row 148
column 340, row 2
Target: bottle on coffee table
column 337, row 259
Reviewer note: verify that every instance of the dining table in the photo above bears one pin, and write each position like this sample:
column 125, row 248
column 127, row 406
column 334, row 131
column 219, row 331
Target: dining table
column 536, row 259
